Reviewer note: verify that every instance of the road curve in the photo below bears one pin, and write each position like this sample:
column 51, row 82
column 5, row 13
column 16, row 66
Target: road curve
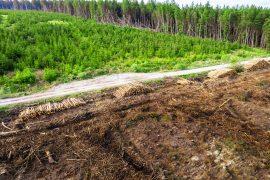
column 103, row 82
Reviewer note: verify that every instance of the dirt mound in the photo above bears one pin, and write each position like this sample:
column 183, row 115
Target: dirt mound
column 132, row 89
column 183, row 81
column 222, row 73
column 257, row 65
column 216, row 129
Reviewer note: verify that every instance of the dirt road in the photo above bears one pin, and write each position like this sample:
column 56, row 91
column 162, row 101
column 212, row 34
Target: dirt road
column 102, row 82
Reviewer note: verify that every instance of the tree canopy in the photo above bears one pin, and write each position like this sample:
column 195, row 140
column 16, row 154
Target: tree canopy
column 247, row 25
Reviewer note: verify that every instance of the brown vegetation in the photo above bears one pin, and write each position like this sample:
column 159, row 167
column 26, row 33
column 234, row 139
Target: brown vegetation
column 257, row 65
column 211, row 129
column 132, row 89
column 222, row 73
column 49, row 108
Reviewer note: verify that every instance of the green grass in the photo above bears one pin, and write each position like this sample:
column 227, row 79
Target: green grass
column 196, row 75
column 38, row 50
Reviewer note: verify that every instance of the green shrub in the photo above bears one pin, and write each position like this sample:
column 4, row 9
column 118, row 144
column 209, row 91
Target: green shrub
column 50, row 75
column 5, row 64
column 3, row 80
column 24, row 77
column 84, row 75
column 238, row 68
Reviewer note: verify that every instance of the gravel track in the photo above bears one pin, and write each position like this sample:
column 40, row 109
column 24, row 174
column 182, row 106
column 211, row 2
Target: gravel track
column 102, row 82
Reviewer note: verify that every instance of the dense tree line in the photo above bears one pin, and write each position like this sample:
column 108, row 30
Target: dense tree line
column 37, row 46
column 247, row 25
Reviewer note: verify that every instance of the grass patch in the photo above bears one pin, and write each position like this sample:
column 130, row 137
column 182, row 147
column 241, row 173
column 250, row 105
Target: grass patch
column 195, row 75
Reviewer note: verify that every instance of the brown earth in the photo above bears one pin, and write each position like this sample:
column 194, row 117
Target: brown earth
column 210, row 129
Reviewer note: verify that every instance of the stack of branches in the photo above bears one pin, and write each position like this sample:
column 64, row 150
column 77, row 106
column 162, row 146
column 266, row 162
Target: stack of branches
column 132, row 89
column 50, row 108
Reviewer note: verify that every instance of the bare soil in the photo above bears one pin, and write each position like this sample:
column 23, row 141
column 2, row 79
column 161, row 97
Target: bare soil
column 217, row 129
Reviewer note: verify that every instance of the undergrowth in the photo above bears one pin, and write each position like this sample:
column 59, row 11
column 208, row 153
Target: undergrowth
column 40, row 49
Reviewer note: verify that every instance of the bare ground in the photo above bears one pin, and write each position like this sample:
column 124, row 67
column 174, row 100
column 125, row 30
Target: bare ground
column 206, row 129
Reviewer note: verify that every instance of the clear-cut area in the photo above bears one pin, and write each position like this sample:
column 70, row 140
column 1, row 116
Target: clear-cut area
column 207, row 129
